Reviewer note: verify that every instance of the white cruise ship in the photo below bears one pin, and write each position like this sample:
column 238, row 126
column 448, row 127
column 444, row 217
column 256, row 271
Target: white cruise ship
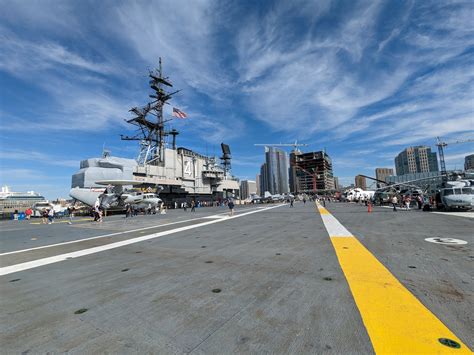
column 10, row 200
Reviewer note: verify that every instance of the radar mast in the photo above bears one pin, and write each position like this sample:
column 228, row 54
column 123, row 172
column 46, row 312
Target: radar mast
column 149, row 119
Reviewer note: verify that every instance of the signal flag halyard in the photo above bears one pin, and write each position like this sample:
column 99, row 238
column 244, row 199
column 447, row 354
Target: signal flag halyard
column 178, row 113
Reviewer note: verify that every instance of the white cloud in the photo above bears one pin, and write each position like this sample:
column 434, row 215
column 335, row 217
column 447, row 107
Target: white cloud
column 457, row 157
column 79, row 99
column 181, row 32
column 253, row 161
column 359, row 79
column 23, row 57
column 308, row 87
column 38, row 157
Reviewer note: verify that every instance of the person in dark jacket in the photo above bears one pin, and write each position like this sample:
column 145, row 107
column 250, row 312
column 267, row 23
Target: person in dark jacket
column 231, row 207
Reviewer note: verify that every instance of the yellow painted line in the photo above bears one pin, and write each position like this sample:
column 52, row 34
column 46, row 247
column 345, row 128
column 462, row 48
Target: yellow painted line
column 322, row 210
column 66, row 221
column 396, row 321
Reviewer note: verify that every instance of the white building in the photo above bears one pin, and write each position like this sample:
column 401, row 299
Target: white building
column 247, row 188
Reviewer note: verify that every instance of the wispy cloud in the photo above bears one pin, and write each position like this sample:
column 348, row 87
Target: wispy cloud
column 23, row 57
column 189, row 49
column 66, row 78
column 324, row 84
column 254, row 161
column 36, row 157
column 19, row 175
column 457, row 157
column 362, row 78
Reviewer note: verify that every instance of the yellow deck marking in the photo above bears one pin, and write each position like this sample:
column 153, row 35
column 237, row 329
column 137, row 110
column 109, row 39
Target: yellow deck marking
column 322, row 210
column 64, row 221
column 396, row 321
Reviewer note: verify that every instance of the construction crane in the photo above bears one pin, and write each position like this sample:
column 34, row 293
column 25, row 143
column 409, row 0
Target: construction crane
column 294, row 145
column 442, row 162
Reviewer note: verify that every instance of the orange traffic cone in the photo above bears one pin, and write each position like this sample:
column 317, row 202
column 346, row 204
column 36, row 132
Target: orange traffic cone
column 370, row 208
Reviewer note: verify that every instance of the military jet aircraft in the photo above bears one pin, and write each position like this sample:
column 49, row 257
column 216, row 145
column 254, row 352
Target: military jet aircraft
column 114, row 195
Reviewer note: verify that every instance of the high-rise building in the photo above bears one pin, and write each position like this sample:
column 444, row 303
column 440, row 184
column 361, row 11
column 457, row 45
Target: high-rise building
column 247, row 188
column 417, row 159
column 263, row 179
column 293, row 172
column 274, row 173
column 311, row 172
column 360, row 182
column 382, row 173
column 257, row 182
column 469, row 162
column 336, row 183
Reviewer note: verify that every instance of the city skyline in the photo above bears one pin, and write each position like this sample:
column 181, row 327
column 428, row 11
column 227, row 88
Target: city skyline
column 360, row 80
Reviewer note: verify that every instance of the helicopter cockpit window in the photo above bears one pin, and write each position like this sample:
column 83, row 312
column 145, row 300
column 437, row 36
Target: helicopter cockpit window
column 448, row 192
column 467, row 190
column 457, row 191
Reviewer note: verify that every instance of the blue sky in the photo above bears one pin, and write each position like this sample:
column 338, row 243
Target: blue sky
column 362, row 79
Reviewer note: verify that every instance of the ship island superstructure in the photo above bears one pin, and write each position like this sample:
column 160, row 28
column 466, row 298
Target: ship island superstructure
column 182, row 173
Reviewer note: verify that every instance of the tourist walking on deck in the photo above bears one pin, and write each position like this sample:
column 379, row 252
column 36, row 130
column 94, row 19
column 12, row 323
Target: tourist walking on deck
column 28, row 213
column 419, row 201
column 394, row 202
column 70, row 211
column 407, row 202
column 51, row 215
column 44, row 215
column 193, row 206
column 231, row 207
column 291, row 202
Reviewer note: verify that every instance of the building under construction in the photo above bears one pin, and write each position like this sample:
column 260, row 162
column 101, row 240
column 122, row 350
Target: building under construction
column 311, row 172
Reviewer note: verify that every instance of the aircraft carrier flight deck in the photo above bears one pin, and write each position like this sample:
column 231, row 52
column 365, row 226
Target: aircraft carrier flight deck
column 271, row 279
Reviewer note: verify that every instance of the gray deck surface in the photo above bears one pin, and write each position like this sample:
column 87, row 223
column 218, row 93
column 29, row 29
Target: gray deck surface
column 270, row 266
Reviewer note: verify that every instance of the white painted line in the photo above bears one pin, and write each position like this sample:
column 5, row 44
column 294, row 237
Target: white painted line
column 57, row 258
column 215, row 216
column 457, row 214
column 334, row 227
column 446, row 241
column 110, row 235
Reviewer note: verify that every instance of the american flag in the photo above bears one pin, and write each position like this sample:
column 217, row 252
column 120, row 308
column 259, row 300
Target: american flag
column 178, row 113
